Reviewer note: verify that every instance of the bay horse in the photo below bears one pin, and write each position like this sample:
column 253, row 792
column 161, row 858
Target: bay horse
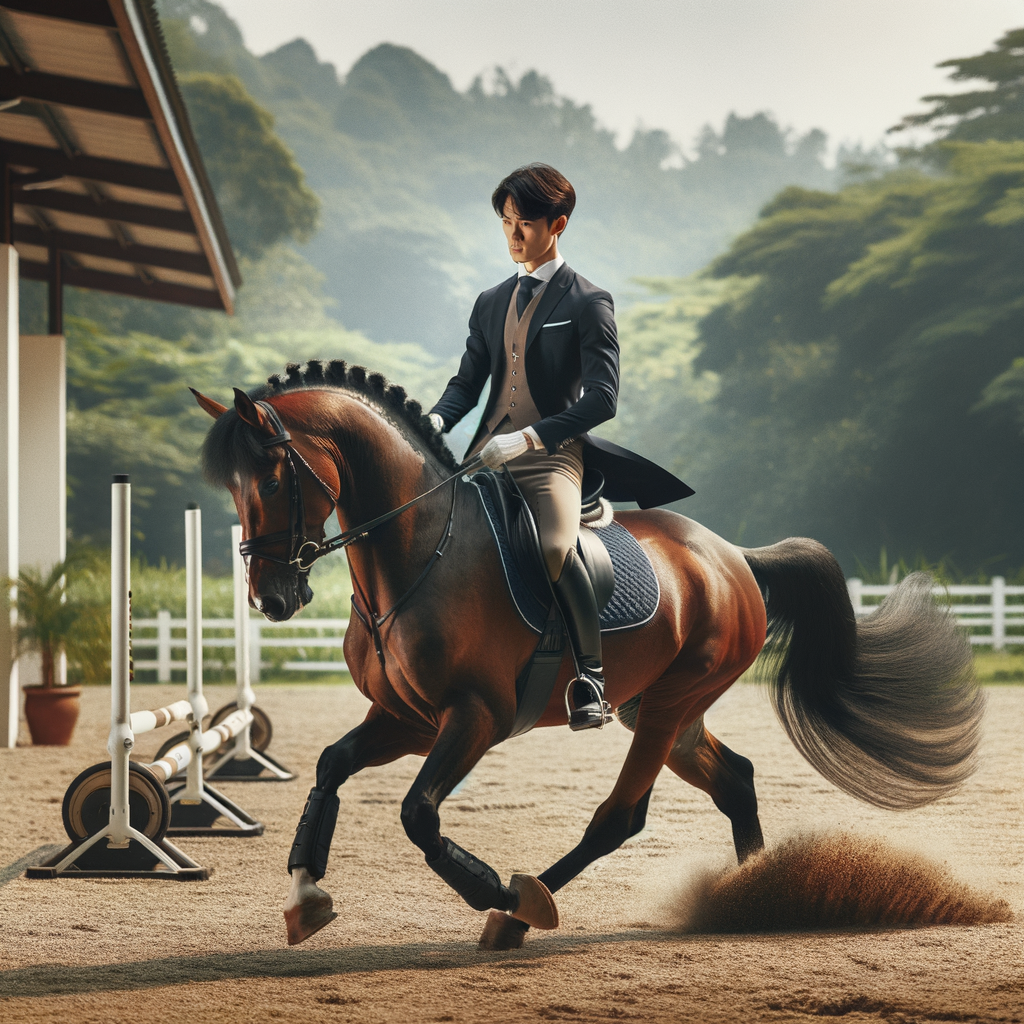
column 885, row 708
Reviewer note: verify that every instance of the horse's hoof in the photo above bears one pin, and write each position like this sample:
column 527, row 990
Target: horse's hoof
column 536, row 904
column 502, row 931
column 308, row 918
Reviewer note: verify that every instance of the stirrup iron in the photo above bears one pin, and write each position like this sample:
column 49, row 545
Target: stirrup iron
column 595, row 714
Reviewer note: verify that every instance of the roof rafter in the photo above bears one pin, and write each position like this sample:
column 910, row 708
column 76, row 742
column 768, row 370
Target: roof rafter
column 88, row 12
column 109, row 209
column 73, row 92
column 118, row 284
column 112, row 172
column 110, row 248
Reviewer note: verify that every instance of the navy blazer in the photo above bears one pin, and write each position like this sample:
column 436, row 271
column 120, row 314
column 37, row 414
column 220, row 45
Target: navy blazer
column 571, row 359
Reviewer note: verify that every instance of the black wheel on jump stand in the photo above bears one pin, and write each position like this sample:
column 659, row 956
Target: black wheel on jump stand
column 259, row 737
column 86, row 810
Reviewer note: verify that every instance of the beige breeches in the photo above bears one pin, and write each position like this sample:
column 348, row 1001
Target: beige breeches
column 551, row 485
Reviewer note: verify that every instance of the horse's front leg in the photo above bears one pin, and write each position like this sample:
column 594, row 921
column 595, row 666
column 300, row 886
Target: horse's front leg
column 380, row 739
column 468, row 729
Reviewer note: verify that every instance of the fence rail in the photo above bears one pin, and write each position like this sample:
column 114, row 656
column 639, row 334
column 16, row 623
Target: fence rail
column 993, row 614
column 165, row 636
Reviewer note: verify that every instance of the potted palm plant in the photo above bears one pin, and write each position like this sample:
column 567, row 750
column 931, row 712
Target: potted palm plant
column 52, row 622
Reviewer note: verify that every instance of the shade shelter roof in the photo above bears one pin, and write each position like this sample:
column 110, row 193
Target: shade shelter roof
column 104, row 186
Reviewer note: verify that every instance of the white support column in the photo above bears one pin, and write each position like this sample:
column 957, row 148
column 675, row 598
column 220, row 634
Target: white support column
column 255, row 650
column 43, row 458
column 998, row 613
column 163, row 646
column 193, row 792
column 10, row 691
column 245, row 697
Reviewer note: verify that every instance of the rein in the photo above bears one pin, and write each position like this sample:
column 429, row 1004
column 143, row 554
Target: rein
column 295, row 535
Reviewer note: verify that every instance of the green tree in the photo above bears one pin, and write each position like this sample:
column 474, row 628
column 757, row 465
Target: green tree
column 859, row 370
column 976, row 115
column 260, row 188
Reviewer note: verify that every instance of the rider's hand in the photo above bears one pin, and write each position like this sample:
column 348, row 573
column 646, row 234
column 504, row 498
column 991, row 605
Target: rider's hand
column 503, row 447
column 438, row 422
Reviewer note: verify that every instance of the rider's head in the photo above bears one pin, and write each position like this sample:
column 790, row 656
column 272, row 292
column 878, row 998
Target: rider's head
column 534, row 203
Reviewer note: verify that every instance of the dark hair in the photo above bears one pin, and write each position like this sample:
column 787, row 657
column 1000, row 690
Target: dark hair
column 536, row 190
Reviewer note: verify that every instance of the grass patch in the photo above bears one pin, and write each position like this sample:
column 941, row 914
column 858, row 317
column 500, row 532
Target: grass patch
column 1006, row 667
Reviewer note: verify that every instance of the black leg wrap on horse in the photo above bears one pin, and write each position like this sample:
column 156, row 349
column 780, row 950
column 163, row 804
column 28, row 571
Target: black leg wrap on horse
column 476, row 882
column 314, row 833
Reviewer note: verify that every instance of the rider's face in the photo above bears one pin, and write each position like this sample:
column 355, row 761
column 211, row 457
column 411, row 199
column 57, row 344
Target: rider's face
column 530, row 241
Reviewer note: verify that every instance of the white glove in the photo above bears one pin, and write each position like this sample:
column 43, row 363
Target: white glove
column 503, row 447
column 435, row 418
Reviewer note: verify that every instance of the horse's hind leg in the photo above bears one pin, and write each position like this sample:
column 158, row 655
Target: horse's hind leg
column 621, row 816
column 379, row 739
column 468, row 729
column 705, row 762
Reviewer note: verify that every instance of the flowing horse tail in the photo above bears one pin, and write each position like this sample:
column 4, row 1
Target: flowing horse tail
column 886, row 708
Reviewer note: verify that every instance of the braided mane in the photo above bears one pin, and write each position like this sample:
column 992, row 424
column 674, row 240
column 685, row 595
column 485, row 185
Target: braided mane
column 226, row 445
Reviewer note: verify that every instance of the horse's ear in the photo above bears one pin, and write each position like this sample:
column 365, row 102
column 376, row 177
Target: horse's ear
column 215, row 409
column 251, row 413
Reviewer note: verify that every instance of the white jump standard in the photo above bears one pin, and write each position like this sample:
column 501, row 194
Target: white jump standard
column 195, row 806
column 246, row 758
column 119, row 801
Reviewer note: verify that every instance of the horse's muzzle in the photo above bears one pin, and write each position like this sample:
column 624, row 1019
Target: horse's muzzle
column 280, row 605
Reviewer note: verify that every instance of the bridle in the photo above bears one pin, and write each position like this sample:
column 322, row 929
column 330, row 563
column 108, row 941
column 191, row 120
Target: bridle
column 303, row 552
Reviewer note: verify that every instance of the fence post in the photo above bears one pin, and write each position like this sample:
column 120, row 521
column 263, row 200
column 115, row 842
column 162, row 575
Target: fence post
column 856, row 595
column 255, row 650
column 163, row 646
column 998, row 613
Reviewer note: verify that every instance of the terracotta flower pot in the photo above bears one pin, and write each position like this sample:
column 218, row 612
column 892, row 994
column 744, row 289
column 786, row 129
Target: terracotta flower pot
column 51, row 712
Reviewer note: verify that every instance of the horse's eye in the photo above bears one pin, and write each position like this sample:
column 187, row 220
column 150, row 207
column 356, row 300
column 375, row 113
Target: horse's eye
column 269, row 486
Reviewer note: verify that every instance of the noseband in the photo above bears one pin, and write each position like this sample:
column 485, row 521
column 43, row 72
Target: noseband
column 303, row 552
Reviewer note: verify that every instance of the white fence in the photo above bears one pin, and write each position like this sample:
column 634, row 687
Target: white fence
column 990, row 612
column 994, row 615
column 166, row 636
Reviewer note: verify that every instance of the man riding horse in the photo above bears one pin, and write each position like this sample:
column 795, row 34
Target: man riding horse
column 885, row 707
column 546, row 338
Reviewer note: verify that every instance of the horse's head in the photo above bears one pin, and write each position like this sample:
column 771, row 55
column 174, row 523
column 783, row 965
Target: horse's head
column 285, row 488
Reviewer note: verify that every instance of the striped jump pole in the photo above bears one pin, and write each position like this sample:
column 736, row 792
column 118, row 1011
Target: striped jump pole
column 137, row 809
column 195, row 805
column 246, row 758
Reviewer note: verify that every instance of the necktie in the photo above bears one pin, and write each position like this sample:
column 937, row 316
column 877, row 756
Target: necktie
column 527, row 286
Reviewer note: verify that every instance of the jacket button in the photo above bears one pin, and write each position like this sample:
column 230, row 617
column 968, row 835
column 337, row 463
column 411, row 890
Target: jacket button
column 513, row 373
column 513, row 405
column 513, row 387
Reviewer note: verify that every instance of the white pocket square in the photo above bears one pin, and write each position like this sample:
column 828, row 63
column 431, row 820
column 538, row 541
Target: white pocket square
column 561, row 323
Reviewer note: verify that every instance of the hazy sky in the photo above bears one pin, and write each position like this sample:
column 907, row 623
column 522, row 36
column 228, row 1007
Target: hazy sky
column 851, row 67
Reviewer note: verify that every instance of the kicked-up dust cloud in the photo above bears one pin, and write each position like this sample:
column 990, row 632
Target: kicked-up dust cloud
column 831, row 881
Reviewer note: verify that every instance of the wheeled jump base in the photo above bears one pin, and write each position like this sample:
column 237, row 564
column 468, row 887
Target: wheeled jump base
column 259, row 767
column 85, row 860
column 197, row 819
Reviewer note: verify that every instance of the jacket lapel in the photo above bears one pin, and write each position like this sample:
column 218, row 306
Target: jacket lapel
column 557, row 287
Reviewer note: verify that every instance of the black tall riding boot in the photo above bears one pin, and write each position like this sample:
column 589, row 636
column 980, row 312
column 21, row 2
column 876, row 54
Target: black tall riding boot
column 578, row 605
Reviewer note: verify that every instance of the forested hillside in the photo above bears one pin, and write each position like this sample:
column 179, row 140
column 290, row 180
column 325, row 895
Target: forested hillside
column 404, row 165
column 865, row 358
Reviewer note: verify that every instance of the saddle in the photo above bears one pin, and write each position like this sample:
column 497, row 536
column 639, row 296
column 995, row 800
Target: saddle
column 624, row 582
